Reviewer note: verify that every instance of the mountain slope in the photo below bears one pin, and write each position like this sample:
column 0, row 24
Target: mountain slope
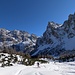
column 57, row 38
column 19, row 40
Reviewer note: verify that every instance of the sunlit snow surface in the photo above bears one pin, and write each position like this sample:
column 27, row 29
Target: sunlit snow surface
column 67, row 68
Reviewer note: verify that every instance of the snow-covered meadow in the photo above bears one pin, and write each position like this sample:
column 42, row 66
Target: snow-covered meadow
column 51, row 68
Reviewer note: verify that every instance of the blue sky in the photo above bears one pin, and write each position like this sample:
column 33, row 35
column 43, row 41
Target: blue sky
column 33, row 15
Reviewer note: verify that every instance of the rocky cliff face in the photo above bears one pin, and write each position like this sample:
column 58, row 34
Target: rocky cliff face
column 57, row 37
column 20, row 40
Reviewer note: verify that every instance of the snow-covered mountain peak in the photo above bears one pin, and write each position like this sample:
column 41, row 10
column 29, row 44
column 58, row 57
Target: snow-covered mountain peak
column 57, row 37
column 20, row 40
column 53, row 25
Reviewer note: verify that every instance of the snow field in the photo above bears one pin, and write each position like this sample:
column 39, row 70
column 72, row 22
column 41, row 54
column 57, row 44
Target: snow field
column 67, row 68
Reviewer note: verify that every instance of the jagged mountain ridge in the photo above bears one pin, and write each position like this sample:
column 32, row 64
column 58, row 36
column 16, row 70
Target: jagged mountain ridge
column 57, row 38
column 21, row 40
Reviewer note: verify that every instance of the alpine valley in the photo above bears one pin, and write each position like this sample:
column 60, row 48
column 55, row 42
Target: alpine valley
column 56, row 40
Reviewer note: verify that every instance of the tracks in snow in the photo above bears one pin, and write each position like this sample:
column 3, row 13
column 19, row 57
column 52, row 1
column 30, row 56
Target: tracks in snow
column 36, row 71
column 18, row 73
column 31, row 71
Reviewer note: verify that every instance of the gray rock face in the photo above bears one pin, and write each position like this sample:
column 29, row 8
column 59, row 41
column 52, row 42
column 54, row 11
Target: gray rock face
column 57, row 37
column 21, row 40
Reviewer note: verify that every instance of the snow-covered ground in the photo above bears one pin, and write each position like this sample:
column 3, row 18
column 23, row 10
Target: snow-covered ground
column 67, row 68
